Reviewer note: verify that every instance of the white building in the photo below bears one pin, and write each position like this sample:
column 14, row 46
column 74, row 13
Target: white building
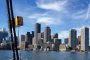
column 85, row 39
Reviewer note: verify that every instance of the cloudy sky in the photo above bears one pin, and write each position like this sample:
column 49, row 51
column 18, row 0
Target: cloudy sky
column 60, row 15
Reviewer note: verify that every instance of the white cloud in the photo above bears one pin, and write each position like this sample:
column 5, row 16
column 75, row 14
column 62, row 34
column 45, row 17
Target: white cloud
column 45, row 20
column 88, row 12
column 82, row 14
column 63, row 34
column 37, row 15
column 52, row 5
column 48, row 20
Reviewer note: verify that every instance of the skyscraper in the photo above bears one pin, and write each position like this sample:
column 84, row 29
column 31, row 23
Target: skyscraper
column 85, row 39
column 37, row 30
column 29, row 38
column 47, row 35
column 3, row 34
column 79, row 39
column 40, row 38
column 66, row 40
column 22, row 42
column 73, row 38
column 57, row 42
column 55, row 35
column 32, row 33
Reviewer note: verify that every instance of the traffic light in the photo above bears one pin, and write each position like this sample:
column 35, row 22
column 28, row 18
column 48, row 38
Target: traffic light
column 18, row 21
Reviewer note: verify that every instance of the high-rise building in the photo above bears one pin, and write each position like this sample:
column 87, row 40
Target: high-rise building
column 37, row 30
column 22, row 42
column 29, row 38
column 22, row 37
column 73, row 38
column 35, row 38
column 3, row 35
column 66, row 40
column 79, row 39
column 57, row 42
column 32, row 33
column 47, row 35
column 40, row 38
column 40, row 35
column 85, row 39
column 55, row 35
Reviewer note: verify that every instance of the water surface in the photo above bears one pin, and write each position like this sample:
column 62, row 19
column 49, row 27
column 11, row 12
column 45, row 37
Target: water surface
column 41, row 55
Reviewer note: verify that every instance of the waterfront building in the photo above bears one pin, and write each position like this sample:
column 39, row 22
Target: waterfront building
column 40, row 38
column 47, row 46
column 37, row 30
column 79, row 39
column 66, row 41
column 3, row 35
column 22, row 42
column 73, row 38
column 62, row 47
column 32, row 34
column 35, row 38
column 47, row 34
column 28, row 38
column 55, row 35
column 57, row 42
column 85, row 39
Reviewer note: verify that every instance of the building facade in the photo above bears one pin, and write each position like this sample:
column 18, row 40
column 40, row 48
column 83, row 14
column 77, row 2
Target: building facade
column 22, row 42
column 73, row 38
column 37, row 30
column 3, row 35
column 47, row 34
column 85, row 39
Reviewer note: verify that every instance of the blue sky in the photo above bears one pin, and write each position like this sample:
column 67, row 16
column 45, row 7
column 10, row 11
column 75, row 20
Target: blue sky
column 60, row 15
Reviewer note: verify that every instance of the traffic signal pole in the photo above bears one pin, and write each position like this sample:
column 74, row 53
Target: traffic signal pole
column 10, row 29
column 11, row 22
column 14, row 30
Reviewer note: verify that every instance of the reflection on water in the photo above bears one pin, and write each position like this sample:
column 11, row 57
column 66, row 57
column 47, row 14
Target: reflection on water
column 34, row 55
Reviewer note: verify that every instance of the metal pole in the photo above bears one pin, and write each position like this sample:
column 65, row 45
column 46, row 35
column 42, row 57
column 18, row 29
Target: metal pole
column 14, row 31
column 10, row 28
column 18, row 38
column 19, row 50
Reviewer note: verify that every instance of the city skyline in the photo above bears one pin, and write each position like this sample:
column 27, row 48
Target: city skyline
column 37, row 40
column 44, row 29
column 38, row 29
column 60, row 17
